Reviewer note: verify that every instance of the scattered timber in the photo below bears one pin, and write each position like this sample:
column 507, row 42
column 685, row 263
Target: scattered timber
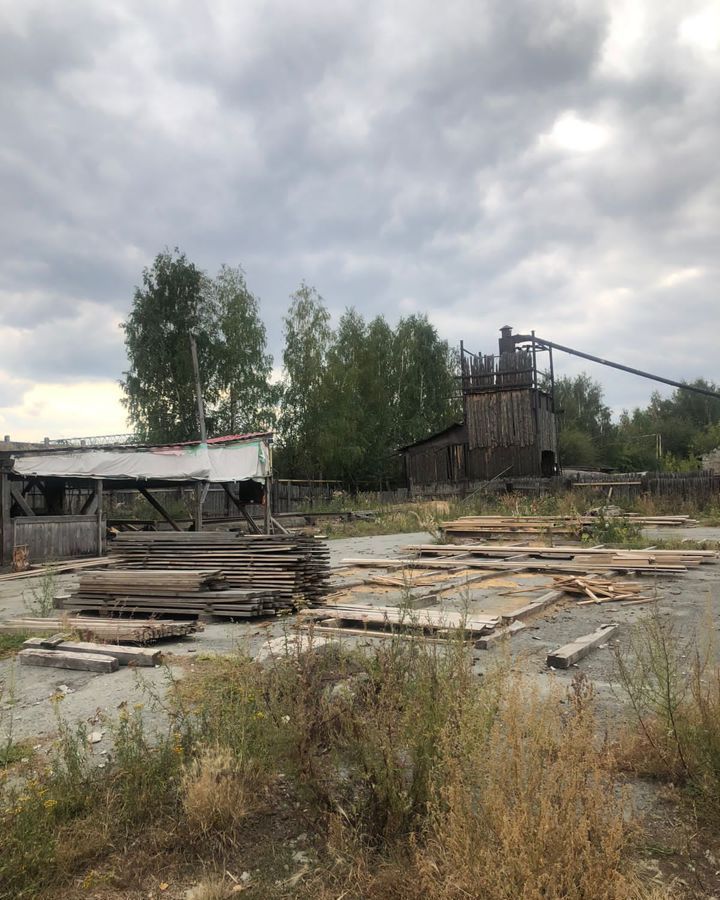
column 126, row 656
column 569, row 654
column 86, row 662
column 602, row 590
column 615, row 564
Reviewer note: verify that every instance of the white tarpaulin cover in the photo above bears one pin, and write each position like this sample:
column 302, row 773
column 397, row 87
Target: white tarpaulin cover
column 241, row 461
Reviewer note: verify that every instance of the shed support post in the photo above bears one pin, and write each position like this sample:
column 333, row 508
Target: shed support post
column 268, row 506
column 201, row 492
column 99, row 513
column 6, row 525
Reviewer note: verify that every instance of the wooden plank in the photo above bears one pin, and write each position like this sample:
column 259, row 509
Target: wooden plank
column 487, row 641
column 566, row 656
column 86, row 662
column 136, row 656
column 526, row 612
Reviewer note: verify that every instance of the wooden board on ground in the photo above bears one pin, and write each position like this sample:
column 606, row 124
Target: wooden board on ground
column 566, row 656
column 486, row 642
column 86, row 662
column 126, row 656
column 532, row 608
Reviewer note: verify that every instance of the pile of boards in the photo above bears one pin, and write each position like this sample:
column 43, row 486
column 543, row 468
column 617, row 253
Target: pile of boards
column 550, row 525
column 576, row 559
column 114, row 629
column 294, row 568
column 186, row 592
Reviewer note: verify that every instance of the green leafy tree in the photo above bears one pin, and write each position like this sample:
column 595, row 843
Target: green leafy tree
column 177, row 299
column 424, row 386
column 244, row 396
column 307, row 340
column 159, row 383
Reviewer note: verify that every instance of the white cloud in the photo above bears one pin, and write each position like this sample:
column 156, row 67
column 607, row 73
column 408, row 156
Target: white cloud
column 570, row 132
column 65, row 410
column 701, row 31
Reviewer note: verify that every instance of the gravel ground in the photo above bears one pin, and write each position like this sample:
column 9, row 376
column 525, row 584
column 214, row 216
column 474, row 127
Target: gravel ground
column 26, row 708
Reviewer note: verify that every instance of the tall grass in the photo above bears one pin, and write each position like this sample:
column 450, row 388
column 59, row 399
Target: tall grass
column 412, row 776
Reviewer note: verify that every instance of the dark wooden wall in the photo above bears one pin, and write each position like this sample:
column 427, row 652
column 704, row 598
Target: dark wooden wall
column 56, row 537
column 505, row 432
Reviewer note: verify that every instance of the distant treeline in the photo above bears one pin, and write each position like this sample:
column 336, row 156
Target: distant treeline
column 347, row 397
column 668, row 435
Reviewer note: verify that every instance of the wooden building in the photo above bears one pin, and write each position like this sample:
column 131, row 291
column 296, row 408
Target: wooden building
column 508, row 427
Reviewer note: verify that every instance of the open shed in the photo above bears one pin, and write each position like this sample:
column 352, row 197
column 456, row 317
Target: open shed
column 35, row 484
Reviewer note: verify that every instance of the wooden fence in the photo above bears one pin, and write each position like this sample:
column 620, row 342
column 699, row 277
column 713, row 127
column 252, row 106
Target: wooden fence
column 55, row 537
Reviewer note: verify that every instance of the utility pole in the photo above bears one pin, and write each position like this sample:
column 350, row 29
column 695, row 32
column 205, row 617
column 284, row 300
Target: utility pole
column 200, row 488
column 198, row 389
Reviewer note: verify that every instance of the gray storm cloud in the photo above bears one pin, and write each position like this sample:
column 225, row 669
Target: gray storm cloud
column 552, row 164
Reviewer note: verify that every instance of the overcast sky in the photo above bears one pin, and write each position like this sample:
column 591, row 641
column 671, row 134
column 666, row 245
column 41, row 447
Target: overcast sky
column 548, row 164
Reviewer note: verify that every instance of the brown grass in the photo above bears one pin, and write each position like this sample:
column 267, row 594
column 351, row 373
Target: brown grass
column 218, row 791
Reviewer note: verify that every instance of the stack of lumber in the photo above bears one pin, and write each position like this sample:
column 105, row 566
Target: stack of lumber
column 187, row 592
column 601, row 590
column 550, row 525
column 294, row 567
column 661, row 521
column 389, row 617
column 113, row 630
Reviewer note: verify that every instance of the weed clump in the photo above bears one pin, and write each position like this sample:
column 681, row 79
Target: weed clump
column 218, row 790
column 674, row 690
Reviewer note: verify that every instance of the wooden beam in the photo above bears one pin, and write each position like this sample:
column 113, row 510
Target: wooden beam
column 565, row 656
column 17, row 496
column 526, row 612
column 243, row 509
column 155, row 503
column 278, row 527
column 99, row 513
column 136, row 656
column 89, row 507
column 6, row 525
column 60, row 659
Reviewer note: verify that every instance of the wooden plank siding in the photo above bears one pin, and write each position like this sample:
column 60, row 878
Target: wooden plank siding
column 57, row 537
